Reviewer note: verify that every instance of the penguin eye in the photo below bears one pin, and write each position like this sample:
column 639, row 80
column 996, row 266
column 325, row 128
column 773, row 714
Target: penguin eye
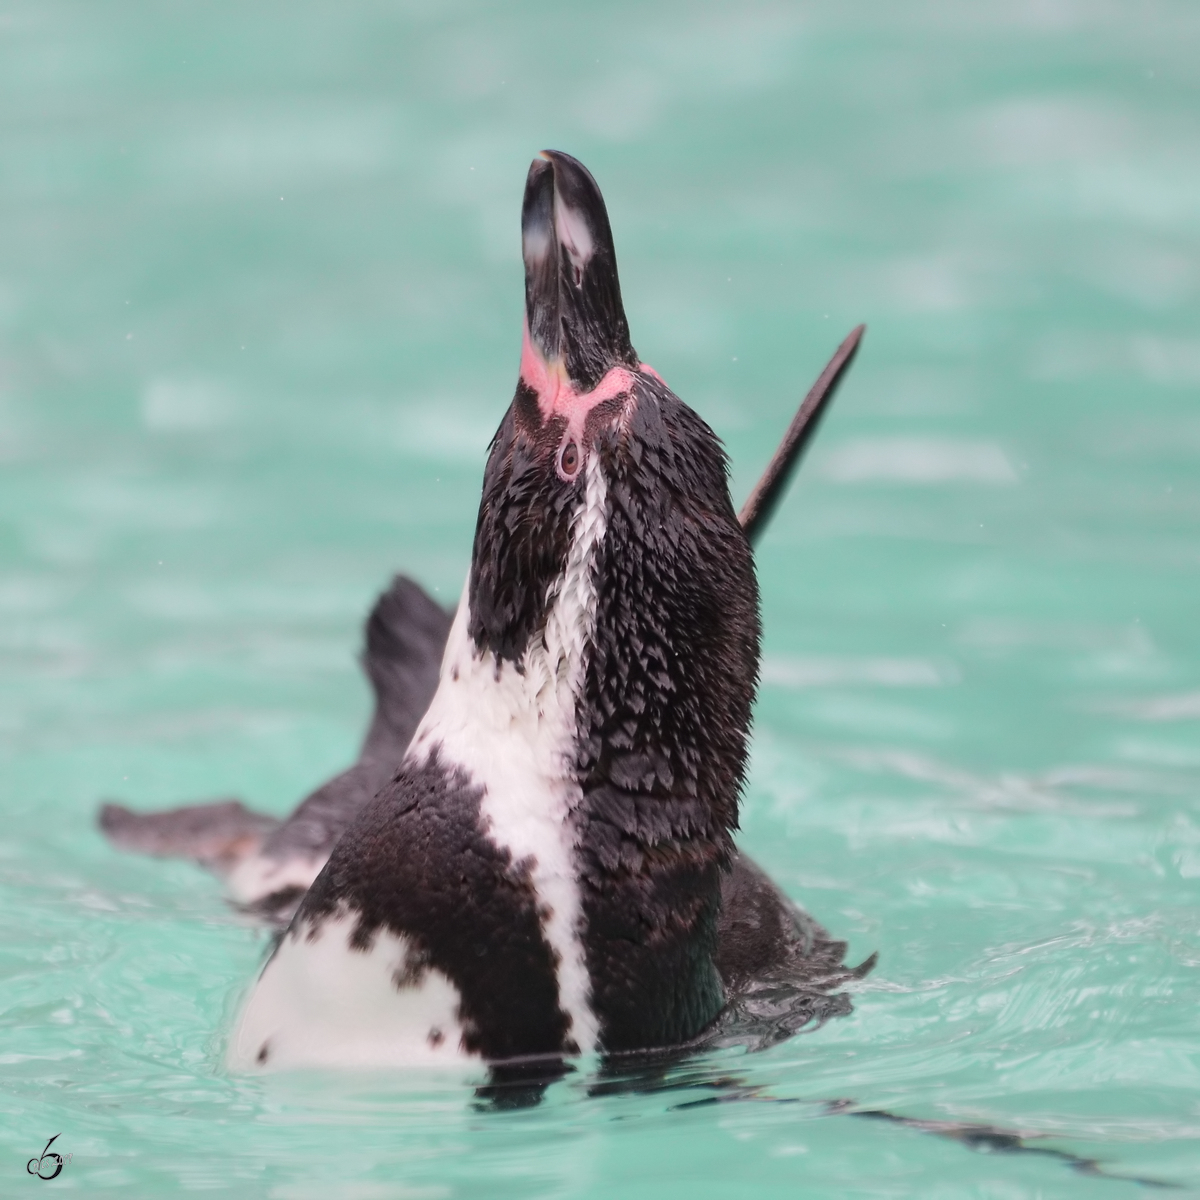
column 568, row 460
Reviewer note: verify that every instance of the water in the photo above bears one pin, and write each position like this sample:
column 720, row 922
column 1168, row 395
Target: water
column 260, row 299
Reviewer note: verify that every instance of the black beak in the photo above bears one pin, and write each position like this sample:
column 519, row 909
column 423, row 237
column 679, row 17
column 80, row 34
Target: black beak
column 572, row 295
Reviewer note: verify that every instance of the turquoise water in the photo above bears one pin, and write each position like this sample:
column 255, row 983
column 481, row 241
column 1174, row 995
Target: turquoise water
column 260, row 302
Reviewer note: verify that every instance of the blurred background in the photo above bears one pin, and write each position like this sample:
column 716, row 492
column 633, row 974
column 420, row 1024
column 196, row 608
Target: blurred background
column 260, row 313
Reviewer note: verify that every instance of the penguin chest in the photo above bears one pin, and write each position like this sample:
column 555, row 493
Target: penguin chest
column 427, row 939
column 323, row 1000
column 511, row 733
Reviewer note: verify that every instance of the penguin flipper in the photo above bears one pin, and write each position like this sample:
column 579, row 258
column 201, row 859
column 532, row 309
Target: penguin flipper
column 218, row 835
column 773, row 482
column 404, row 640
column 780, row 968
column 272, row 861
column 313, row 829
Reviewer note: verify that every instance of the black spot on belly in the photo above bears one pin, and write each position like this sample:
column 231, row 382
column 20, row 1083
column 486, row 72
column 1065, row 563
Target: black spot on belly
column 436, row 1038
column 263, row 1053
column 412, row 974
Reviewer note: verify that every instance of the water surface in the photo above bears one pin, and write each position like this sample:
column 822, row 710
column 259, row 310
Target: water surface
column 260, row 303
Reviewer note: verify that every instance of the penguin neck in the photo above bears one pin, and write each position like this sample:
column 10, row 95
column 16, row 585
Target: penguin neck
column 534, row 700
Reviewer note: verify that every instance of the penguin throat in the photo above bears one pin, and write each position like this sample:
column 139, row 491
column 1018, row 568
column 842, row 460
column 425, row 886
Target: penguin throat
column 558, row 396
column 547, row 676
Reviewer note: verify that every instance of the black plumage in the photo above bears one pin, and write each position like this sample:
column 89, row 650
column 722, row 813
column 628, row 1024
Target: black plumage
column 664, row 724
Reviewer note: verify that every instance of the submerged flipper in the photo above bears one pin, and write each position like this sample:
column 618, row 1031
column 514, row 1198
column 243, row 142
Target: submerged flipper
column 218, row 834
column 781, row 970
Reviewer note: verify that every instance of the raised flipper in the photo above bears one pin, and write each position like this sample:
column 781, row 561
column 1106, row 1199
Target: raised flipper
column 270, row 863
column 405, row 637
column 773, row 482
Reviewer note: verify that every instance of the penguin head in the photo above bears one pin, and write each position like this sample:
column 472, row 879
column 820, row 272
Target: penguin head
column 596, row 451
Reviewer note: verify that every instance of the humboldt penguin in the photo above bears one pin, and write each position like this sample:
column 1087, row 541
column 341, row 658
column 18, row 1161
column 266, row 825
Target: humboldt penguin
column 551, row 869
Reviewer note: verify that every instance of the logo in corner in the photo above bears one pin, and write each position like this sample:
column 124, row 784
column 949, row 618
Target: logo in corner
column 40, row 1165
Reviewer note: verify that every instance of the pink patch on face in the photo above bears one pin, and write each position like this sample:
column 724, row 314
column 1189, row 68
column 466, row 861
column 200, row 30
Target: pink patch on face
column 647, row 369
column 558, row 396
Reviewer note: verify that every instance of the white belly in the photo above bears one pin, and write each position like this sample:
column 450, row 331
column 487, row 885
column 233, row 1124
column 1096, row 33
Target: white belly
column 320, row 1002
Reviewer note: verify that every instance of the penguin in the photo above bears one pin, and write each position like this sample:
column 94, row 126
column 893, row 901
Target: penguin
column 551, row 869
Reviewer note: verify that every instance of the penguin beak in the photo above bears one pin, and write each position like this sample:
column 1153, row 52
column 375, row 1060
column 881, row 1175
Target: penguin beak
column 573, row 307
